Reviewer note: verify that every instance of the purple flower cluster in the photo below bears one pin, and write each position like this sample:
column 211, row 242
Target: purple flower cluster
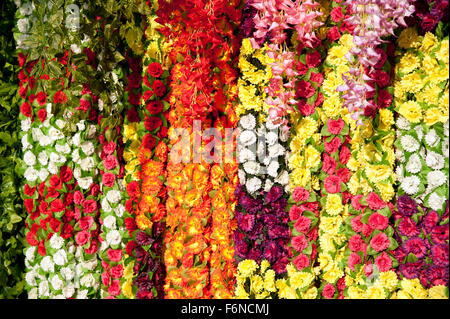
column 146, row 264
column 428, row 13
column 423, row 238
column 262, row 228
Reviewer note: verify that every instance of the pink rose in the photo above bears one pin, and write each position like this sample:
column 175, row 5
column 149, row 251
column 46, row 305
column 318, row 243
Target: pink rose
column 301, row 262
column 344, row 174
column 300, row 194
column 114, row 254
column 117, row 271
column 108, row 179
column 302, row 224
column 313, row 59
column 86, row 222
column 353, row 260
column 82, row 237
column 378, row 221
column 344, row 155
column 380, row 242
column 328, row 291
column 78, row 198
column 368, row 270
column 105, row 278
column 114, row 289
column 383, row 262
column 317, row 77
column 336, row 14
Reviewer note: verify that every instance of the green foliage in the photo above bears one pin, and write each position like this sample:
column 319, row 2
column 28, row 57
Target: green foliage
column 12, row 213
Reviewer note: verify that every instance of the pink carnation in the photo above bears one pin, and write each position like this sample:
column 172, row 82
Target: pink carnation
column 383, row 262
column 332, row 184
column 353, row 260
column 380, row 242
column 299, row 243
column 328, row 291
column 301, row 261
column 302, row 225
column 374, row 201
column 357, row 225
column 300, row 194
column 378, row 221
column 356, row 243
column 295, row 212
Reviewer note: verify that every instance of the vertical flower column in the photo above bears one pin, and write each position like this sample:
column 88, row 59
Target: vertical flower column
column 421, row 91
column 203, row 88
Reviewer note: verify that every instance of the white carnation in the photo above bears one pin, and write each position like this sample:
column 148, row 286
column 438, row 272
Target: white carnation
column 76, row 156
column 271, row 138
column 43, row 174
column 52, row 168
column 60, row 123
column 25, row 124
column 76, row 139
column 60, row 257
column 414, row 164
column 68, row 290
column 91, row 131
column 87, row 164
column 247, row 138
column 403, row 123
column 120, row 210
column 105, row 205
column 44, row 289
column 43, row 158
column 423, row 152
column 29, row 158
column 400, row 155
column 445, row 148
column 409, row 143
column 57, row 158
column 88, row 280
column 435, row 160
column 67, row 273
column 268, row 185
column 45, row 141
column 47, row 264
column 252, row 167
column 87, row 147
column 261, row 148
column 246, row 155
column 248, row 122
column 272, row 168
column 56, row 242
column 431, row 138
column 25, row 144
column 36, row 134
column 253, row 184
column 241, row 176
column 82, row 294
column 70, row 247
column 56, row 282
column 85, row 182
column 26, row 9
column 410, row 184
column 81, row 126
column 113, row 237
column 64, row 148
column 446, row 128
column 75, row 48
column 33, row 293
column 30, row 174
column 55, row 134
column 435, row 201
column 276, row 150
column 29, row 253
column 46, row 122
column 266, row 161
column 30, row 278
column 113, row 196
column 91, row 264
column 109, row 222
column 436, row 179
column 283, row 178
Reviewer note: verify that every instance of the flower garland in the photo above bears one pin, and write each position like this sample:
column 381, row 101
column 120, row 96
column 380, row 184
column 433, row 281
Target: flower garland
column 421, row 100
column 423, row 243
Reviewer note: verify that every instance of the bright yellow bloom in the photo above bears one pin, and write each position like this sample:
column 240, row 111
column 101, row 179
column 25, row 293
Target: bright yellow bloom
column 334, row 204
column 311, row 293
column 269, row 280
column 300, row 280
column 256, row 284
column 442, row 53
column 409, row 62
column 247, row 267
column 388, row 280
column 375, row 292
column 409, row 38
column 438, row 292
column 312, row 157
column 428, row 43
column 411, row 110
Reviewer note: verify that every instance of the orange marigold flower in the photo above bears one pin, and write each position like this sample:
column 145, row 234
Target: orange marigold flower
column 196, row 244
column 143, row 222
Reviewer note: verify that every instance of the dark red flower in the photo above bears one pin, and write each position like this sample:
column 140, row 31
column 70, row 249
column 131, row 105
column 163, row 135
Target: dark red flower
column 336, row 14
column 154, row 69
column 159, row 88
column 154, row 107
column 333, row 34
column 132, row 115
column 152, row 123
column 313, row 59
column 25, row 109
column 304, row 89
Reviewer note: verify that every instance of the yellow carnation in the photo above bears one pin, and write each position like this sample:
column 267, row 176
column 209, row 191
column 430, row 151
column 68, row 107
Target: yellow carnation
column 411, row 110
column 438, row 292
column 428, row 42
column 388, row 280
column 409, row 38
column 247, row 267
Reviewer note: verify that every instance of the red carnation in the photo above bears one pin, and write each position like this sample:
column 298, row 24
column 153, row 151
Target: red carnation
column 67, row 231
column 304, row 90
column 333, row 34
column 295, row 212
column 384, row 99
column 25, row 109
column 381, row 78
column 378, row 221
column 332, row 184
column 380, row 242
column 344, row 155
column 92, row 247
column 108, row 179
column 147, row 95
column 353, row 260
column 357, row 225
column 114, row 289
column 162, row 133
column 117, row 271
column 335, row 126
column 89, row 206
column 313, row 59
column 86, row 222
column 154, row 69
column 56, row 205
column 133, row 98
column 133, row 189
column 114, row 254
column 300, row 194
column 59, row 97
column 82, row 237
column 130, row 224
column 42, row 115
column 302, row 224
column 301, row 262
column 32, row 238
column 29, row 204
column 154, row 107
column 159, row 88
column 148, row 141
column 84, row 105
column 317, row 77
column 328, row 289
column 41, row 248
column 305, row 108
column 55, row 182
column 336, row 14
column 301, row 69
column 130, row 247
column 299, row 243
column 331, row 147
column 54, row 224
column 110, row 162
column 41, row 97
column 152, row 122
column 134, row 80
column 383, row 262
column 105, row 278
column 28, row 190
column 374, row 201
column 65, row 174
column 109, row 148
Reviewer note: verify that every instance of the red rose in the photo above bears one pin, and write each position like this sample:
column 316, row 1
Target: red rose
column 133, row 115
column 108, row 179
column 344, row 174
column 148, row 141
column 56, row 205
column 380, row 242
column 159, row 88
column 147, row 95
column 85, row 222
column 31, row 98
column 305, row 108
column 313, row 59
column 335, row 126
column 55, row 182
column 114, row 289
column 31, row 238
column 154, row 69
column 375, row 202
column 384, row 99
column 54, row 224
column 130, row 247
column 114, row 254
column 301, row 69
column 146, row 81
column 336, row 14
column 129, row 205
column 134, row 64
column 329, row 164
column 25, row 109
column 317, row 77
column 92, row 247
column 332, row 184
column 59, row 97
column 344, row 155
column 301, row 262
column 381, row 78
column 304, row 90
column 78, row 198
column 65, row 174
column 105, row 278
column 333, row 146
column 22, row 59
column 383, row 262
column 134, row 80
column 52, row 193
column 133, row 189
column 82, row 237
column 109, row 148
column 110, row 162
column 29, row 204
column 67, row 231
column 300, row 194
column 41, row 248
column 89, row 206
column 130, row 225
column 41, row 98
column 333, row 34
column 117, row 271
column 154, row 107
column 378, row 221
column 328, row 289
column 133, row 98
column 152, row 122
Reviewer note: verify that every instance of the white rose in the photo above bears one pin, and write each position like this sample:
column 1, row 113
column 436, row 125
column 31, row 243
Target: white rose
column 29, row 158
column 60, row 257
column 67, row 273
column 120, row 209
column 30, row 174
column 56, row 282
column 46, row 122
column 241, row 176
column 56, row 242
column 435, row 201
column 52, row 168
column 113, row 196
column 113, row 237
column 248, row 122
column 109, row 222
column 68, row 291
column 45, row 141
column 252, row 168
column 87, row 147
column 105, row 205
column 76, row 156
column 33, row 293
column 283, row 178
column 91, row 264
column 81, row 126
column 414, row 164
column 253, row 184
